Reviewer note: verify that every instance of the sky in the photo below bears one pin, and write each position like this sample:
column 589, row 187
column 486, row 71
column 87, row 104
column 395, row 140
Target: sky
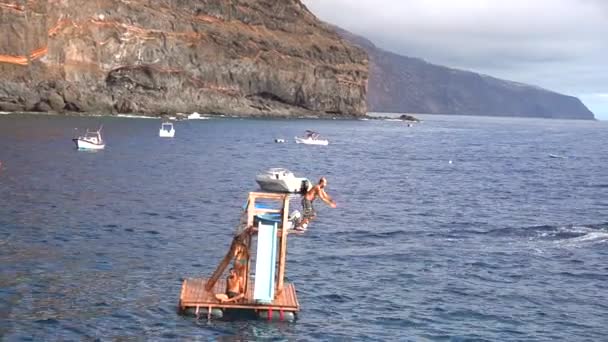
column 560, row 45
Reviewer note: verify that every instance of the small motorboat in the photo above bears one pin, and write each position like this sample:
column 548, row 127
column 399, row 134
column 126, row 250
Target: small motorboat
column 91, row 140
column 281, row 180
column 279, row 141
column 166, row 130
column 311, row 138
column 194, row 116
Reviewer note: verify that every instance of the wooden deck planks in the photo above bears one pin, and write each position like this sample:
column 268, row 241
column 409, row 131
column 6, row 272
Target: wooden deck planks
column 193, row 294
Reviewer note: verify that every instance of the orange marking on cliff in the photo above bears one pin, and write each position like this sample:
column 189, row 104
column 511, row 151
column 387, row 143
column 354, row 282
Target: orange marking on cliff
column 13, row 7
column 140, row 32
column 24, row 60
column 19, row 60
column 38, row 53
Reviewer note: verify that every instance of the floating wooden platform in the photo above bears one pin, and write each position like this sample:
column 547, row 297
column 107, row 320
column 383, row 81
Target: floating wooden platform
column 194, row 296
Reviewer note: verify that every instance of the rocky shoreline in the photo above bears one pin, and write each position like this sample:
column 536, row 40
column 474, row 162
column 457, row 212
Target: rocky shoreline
column 184, row 116
column 59, row 97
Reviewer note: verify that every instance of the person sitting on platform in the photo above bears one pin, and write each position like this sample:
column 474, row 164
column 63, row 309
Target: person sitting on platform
column 234, row 287
column 307, row 199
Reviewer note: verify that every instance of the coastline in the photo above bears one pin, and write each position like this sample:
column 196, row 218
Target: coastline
column 371, row 116
column 207, row 116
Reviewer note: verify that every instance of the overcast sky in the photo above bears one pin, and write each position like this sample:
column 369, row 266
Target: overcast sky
column 561, row 45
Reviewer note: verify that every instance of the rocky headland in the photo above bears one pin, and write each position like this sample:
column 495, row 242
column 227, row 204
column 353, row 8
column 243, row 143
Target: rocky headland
column 238, row 57
column 404, row 84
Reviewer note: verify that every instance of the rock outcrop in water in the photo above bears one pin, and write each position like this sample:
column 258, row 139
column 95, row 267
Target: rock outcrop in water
column 404, row 84
column 251, row 57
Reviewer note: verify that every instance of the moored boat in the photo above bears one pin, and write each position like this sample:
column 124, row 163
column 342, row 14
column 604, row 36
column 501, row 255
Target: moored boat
column 91, row 140
column 166, row 130
column 194, row 116
column 311, row 138
column 281, row 180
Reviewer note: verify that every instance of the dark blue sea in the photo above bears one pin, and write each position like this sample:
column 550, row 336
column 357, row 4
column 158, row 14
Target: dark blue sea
column 508, row 241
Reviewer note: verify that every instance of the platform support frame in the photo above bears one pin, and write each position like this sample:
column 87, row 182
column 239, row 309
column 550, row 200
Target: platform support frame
column 244, row 239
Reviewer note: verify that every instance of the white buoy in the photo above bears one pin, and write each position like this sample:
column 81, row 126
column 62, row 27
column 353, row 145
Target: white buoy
column 450, row 162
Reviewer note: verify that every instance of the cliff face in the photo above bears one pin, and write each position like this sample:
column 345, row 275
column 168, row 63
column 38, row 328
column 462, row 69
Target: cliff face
column 154, row 56
column 403, row 84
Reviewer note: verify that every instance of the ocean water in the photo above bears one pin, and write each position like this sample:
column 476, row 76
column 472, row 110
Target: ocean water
column 459, row 228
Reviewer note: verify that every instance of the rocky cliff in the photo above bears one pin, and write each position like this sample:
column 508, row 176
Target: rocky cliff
column 403, row 84
column 252, row 57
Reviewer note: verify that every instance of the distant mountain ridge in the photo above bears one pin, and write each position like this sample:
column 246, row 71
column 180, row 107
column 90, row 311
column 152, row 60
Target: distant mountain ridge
column 403, row 84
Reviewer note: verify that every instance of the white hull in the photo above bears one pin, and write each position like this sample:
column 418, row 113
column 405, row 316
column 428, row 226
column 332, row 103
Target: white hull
column 281, row 180
column 197, row 116
column 87, row 145
column 166, row 134
column 280, row 185
column 309, row 141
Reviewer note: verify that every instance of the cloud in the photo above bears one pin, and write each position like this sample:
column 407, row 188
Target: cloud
column 599, row 103
column 556, row 44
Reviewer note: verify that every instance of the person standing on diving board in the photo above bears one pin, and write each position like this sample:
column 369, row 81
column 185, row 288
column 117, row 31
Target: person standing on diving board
column 308, row 210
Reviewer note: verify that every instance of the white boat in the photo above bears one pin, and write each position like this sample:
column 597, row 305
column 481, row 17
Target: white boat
column 281, row 180
column 279, row 140
column 166, row 130
column 91, row 140
column 310, row 141
column 193, row 116
column 312, row 138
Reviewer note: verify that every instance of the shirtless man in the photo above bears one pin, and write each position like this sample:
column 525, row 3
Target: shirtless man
column 234, row 287
column 308, row 210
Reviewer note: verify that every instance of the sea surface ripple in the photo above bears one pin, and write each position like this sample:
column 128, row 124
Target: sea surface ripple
column 455, row 229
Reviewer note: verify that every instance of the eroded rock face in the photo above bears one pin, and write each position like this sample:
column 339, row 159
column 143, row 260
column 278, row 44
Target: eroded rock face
column 257, row 57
